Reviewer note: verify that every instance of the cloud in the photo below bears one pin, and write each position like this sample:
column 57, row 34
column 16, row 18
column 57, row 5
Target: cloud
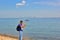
column 21, row 4
column 49, row 3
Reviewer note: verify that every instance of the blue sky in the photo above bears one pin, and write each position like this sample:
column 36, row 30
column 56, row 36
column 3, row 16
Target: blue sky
column 29, row 8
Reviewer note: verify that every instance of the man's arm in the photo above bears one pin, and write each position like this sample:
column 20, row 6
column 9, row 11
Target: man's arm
column 23, row 25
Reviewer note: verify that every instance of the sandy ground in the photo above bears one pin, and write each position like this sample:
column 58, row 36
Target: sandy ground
column 10, row 37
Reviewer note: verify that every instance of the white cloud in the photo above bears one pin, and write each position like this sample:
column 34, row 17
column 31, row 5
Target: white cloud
column 49, row 3
column 21, row 4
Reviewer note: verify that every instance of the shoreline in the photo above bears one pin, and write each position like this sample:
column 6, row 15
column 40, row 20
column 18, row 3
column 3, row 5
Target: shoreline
column 11, row 37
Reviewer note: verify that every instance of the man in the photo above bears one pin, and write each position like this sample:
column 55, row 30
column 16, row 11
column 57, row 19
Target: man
column 22, row 26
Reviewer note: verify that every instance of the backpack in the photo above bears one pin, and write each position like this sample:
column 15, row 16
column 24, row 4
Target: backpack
column 18, row 28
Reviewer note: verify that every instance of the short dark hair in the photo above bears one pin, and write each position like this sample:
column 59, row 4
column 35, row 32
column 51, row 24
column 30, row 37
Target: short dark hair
column 21, row 21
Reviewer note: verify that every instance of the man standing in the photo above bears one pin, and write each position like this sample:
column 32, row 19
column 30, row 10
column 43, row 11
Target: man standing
column 21, row 27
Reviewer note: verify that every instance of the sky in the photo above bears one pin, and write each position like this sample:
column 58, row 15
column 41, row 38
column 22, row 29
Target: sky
column 29, row 8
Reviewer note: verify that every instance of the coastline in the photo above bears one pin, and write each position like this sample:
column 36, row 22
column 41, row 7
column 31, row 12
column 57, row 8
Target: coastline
column 11, row 37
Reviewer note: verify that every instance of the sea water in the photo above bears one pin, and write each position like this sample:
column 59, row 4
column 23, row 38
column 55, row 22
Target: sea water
column 36, row 28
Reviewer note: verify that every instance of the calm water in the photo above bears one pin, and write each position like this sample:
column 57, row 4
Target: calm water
column 37, row 28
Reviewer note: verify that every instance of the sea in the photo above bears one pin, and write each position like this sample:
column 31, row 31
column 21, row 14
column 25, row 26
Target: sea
column 36, row 28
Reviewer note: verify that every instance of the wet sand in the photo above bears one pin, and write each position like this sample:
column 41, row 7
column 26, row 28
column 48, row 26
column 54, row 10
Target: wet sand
column 10, row 37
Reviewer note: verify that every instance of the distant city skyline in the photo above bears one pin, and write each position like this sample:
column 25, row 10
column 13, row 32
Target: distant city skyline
column 29, row 8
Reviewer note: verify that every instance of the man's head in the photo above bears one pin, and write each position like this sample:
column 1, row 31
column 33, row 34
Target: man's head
column 21, row 21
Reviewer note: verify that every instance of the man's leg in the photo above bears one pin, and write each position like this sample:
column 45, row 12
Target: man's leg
column 21, row 35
